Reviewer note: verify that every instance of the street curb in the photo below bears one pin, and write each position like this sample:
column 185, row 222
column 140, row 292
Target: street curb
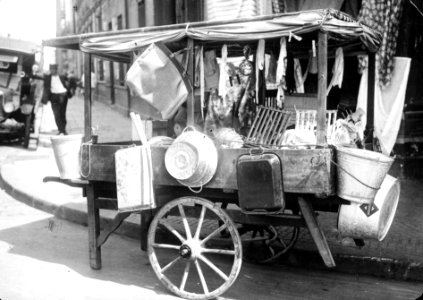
column 359, row 265
column 67, row 212
column 307, row 259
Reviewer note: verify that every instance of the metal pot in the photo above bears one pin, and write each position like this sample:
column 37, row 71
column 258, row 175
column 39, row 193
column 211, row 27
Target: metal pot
column 192, row 158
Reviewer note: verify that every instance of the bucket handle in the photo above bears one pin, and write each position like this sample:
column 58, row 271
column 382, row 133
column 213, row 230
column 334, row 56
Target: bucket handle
column 189, row 128
column 366, row 185
column 256, row 151
column 89, row 157
column 196, row 191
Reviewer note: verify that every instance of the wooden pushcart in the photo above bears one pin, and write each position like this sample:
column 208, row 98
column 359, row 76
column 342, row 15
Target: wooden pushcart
column 207, row 230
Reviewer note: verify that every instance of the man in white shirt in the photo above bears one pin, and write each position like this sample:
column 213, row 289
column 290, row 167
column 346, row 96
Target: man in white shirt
column 56, row 90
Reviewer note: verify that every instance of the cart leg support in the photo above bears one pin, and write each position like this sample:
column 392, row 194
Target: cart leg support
column 316, row 232
column 93, row 229
column 146, row 218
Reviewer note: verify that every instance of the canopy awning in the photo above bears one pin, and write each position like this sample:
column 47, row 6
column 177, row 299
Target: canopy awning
column 119, row 45
column 8, row 58
column 10, row 45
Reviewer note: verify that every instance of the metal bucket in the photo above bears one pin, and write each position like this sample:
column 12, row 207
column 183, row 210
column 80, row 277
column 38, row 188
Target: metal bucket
column 360, row 173
column 353, row 221
column 66, row 150
column 192, row 159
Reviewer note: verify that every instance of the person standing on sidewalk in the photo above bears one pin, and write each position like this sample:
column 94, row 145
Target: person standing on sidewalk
column 56, row 90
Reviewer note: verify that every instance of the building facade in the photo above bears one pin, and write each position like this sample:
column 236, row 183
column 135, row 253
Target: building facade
column 87, row 16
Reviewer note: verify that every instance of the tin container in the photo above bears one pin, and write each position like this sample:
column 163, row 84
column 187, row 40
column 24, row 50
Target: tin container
column 260, row 183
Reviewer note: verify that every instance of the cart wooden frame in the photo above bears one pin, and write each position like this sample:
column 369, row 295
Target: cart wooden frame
column 309, row 176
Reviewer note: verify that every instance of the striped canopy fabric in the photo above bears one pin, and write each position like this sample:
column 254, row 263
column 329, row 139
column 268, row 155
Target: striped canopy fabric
column 120, row 45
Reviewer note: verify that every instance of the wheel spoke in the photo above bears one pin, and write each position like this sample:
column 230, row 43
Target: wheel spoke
column 201, row 275
column 218, row 251
column 200, row 222
column 166, row 246
column 185, row 221
column 213, row 267
column 213, row 233
column 272, row 251
column 171, row 264
column 185, row 276
column 173, row 230
column 283, row 243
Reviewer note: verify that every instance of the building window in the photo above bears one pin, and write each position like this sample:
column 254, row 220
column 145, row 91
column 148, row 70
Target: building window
column 141, row 13
column 99, row 23
column 100, row 70
column 119, row 22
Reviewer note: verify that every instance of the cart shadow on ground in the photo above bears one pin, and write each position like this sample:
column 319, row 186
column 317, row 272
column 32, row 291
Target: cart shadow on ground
column 57, row 241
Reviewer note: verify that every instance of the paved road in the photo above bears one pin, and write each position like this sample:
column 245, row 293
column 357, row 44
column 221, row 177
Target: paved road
column 45, row 258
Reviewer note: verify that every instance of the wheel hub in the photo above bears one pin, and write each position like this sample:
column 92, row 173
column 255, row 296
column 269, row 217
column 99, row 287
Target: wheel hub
column 185, row 251
column 191, row 249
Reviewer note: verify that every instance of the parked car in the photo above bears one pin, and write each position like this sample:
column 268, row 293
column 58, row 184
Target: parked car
column 16, row 98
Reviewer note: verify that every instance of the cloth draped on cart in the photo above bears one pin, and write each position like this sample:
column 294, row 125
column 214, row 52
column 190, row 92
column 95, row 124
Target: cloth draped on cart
column 389, row 103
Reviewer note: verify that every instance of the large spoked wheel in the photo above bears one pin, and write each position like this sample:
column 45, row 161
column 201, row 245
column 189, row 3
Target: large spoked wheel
column 182, row 252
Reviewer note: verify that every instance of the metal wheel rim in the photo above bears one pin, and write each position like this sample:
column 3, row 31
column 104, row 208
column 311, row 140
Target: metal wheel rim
column 194, row 239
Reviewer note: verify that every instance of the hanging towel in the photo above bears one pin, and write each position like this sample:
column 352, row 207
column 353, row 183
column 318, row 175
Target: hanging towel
column 337, row 70
column 389, row 103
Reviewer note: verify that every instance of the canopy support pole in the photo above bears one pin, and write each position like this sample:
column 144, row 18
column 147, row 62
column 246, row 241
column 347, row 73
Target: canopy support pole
column 371, row 101
column 87, row 97
column 322, row 87
column 191, row 96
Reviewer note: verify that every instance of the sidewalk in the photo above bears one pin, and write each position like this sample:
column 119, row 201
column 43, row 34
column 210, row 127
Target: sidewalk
column 399, row 256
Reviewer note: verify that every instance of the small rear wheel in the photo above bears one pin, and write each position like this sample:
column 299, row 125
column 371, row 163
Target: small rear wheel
column 265, row 244
column 187, row 261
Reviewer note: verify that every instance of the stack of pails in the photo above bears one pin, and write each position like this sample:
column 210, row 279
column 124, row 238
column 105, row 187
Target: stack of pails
column 192, row 159
column 363, row 179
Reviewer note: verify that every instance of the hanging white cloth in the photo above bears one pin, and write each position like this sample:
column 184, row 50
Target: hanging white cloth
column 281, row 73
column 222, row 66
column 388, row 104
column 260, row 60
column 337, row 70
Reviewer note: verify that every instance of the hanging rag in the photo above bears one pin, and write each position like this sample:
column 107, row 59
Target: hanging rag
column 211, row 70
column 260, row 62
column 270, row 72
column 298, row 76
column 388, row 104
column 222, row 68
column 337, row 70
column 198, row 55
column 281, row 73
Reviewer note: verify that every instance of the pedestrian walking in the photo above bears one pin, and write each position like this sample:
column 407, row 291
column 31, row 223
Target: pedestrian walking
column 37, row 87
column 56, row 90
